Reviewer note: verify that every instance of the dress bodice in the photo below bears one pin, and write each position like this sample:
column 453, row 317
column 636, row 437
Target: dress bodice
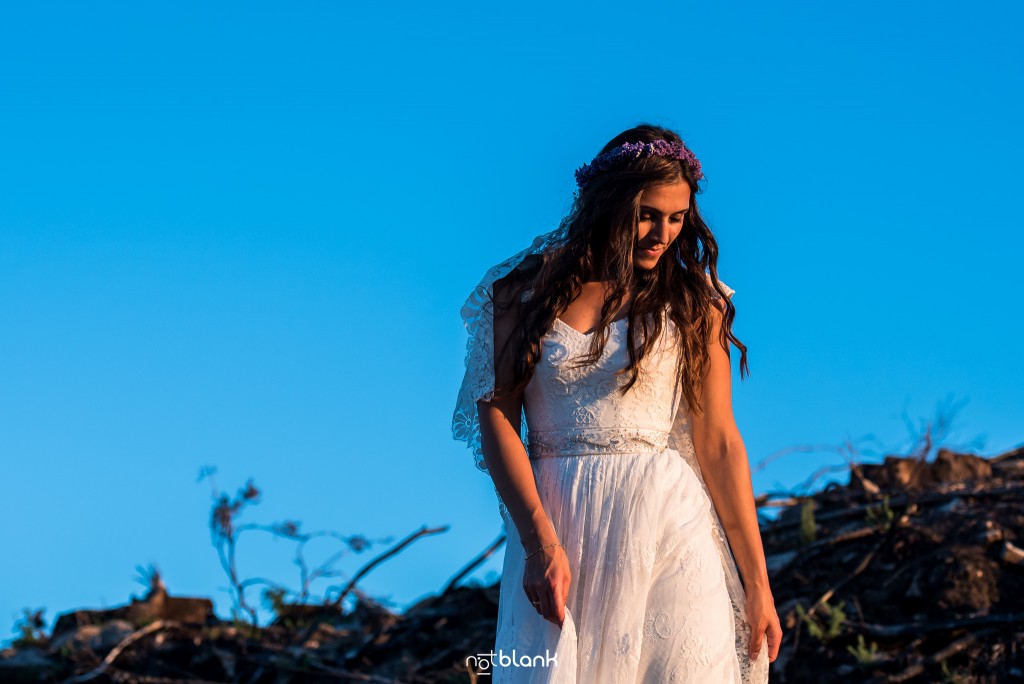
column 572, row 410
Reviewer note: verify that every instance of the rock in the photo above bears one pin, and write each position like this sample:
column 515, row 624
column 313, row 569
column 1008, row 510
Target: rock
column 950, row 467
column 158, row 606
column 901, row 474
column 98, row 638
column 1014, row 555
column 990, row 536
column 777, row 561
column 28, row 664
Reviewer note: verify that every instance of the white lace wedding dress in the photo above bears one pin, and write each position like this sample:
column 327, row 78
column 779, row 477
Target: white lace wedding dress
column 655, row 593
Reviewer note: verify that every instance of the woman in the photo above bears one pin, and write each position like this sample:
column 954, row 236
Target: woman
column 617, row 495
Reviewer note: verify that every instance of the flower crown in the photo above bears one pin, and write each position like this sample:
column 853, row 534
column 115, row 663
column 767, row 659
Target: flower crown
column 635, row 150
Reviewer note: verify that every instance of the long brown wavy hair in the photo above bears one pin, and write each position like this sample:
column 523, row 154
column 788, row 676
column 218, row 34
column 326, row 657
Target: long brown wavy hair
column 601, row 229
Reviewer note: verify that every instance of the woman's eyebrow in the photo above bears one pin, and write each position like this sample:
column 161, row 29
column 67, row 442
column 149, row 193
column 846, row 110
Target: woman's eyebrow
column 656, row 211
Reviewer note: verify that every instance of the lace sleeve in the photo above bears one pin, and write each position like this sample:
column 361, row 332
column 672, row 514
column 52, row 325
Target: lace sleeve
column 714, row 293
column 478, row 318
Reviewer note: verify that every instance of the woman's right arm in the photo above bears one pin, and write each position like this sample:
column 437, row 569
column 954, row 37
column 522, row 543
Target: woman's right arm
column 510, row 469
column 547, row 576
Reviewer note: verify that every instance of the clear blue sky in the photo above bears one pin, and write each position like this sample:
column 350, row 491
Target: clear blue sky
column 239, row 235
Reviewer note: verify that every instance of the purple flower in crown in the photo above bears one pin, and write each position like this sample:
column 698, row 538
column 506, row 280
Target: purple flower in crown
column 636, row 150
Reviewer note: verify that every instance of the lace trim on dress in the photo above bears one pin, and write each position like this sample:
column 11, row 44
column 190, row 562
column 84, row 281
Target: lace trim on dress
column 605, row 440
column 478, row 317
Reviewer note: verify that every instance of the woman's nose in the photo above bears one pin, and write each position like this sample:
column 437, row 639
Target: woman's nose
column 662, row 230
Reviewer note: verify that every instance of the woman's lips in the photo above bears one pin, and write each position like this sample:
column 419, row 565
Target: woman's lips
column 652, row 251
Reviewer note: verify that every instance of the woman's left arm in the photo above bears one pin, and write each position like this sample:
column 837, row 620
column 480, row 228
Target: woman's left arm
column 722, row 457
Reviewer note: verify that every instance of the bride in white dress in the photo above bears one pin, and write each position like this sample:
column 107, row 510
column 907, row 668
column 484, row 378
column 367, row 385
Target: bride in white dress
column 633, row 550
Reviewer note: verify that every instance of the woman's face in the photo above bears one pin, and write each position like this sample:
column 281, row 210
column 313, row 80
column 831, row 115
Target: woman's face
column 662, row 209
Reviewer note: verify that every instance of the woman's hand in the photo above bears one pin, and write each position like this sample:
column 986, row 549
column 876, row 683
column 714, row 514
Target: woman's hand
column 546, row 581
column 763, row 621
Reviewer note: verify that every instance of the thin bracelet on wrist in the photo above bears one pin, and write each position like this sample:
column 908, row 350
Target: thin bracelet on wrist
column 542, row 548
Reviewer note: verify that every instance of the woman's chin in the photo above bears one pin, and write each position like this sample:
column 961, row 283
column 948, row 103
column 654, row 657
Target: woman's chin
column 645, row 263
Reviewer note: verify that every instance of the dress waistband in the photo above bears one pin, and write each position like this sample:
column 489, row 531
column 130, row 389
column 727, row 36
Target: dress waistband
column 607, row 440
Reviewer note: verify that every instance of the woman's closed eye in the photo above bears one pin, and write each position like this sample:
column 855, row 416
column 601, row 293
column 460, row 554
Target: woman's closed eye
column 645, row 218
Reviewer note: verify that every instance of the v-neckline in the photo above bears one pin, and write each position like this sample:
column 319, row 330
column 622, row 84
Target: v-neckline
column 586, row 334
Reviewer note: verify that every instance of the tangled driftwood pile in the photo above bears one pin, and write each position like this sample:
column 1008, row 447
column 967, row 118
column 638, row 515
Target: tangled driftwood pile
column 911, row 572
column 914, row 571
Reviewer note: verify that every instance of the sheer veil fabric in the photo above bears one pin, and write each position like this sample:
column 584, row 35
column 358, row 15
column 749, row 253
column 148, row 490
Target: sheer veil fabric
column 478, row 384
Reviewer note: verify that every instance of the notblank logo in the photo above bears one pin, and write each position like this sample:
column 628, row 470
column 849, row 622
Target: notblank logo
column 483, row 663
